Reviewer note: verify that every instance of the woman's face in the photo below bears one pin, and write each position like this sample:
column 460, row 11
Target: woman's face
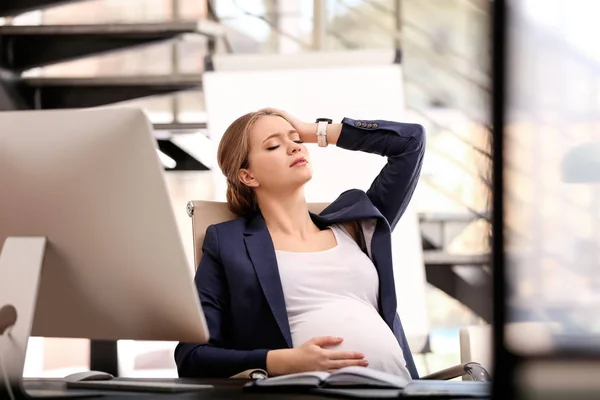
column 278, row 161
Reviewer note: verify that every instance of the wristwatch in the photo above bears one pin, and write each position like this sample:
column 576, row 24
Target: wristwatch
column 322, row 131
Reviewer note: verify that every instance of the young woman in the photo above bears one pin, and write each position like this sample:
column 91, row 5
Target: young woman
column 286, row 290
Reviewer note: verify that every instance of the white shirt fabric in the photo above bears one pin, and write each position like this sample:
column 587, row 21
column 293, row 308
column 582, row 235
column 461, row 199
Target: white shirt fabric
column 335, row 293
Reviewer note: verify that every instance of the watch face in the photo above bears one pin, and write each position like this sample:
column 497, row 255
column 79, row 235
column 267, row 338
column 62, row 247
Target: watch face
column 328, row 120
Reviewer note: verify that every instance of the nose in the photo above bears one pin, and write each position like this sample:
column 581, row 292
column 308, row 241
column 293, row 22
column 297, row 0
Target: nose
column 294, row 148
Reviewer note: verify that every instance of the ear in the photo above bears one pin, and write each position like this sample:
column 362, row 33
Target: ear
column 247, row 178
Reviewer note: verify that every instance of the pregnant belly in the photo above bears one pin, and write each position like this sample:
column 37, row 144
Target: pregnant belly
column 362, row 329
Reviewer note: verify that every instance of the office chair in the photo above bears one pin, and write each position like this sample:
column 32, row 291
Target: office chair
column 206, row 213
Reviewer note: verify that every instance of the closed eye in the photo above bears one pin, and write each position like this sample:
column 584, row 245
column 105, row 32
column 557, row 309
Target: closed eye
column 277, row 146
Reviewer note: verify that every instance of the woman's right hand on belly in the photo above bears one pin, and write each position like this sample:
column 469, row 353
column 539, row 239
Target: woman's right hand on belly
column 312, row 356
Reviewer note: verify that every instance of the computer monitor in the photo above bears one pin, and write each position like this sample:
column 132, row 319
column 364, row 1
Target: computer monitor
column 90, row 245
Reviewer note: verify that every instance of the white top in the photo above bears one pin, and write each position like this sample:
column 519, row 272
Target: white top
column 334, row 293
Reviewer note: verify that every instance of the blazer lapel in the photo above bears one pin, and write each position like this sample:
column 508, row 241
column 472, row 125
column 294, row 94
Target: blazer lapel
column 262, row 254
column 351, row 205
column 382, row 259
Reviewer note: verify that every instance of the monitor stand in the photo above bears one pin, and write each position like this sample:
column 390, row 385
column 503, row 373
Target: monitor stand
column 21, row 260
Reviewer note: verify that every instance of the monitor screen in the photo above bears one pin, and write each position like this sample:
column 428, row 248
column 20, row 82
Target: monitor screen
column 552, row 175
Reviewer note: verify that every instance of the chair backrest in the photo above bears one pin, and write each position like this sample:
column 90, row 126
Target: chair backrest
column 205, row 213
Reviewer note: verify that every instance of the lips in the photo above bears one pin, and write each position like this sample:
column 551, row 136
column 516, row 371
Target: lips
column 299, row 161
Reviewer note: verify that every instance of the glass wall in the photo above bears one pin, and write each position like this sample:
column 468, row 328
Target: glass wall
column 552, row 186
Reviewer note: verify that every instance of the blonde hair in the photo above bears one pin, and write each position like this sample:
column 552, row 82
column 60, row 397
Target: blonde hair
column 232, row 155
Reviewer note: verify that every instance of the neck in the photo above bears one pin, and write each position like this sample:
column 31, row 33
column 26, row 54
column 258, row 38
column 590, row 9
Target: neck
column 287, row 213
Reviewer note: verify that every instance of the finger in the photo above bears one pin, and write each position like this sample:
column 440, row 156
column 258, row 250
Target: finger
column 344, row 355
column 326, row 340
column 337, row 364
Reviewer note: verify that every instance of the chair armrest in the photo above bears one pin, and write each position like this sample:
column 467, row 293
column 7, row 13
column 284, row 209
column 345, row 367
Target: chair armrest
column 473, row 369
column 251, row 374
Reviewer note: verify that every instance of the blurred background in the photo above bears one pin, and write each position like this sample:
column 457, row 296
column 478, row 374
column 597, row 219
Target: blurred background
column 552, row 170
column 154, row 54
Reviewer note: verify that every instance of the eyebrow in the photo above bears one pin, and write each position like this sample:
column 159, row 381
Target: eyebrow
column 279, row 134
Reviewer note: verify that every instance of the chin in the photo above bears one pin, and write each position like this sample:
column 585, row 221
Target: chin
column 307, row 177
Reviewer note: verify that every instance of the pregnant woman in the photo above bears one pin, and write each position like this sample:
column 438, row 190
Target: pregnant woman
column 289, row 291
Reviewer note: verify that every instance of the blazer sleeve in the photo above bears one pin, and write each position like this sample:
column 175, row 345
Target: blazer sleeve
column 404, row 146
column 213, row 359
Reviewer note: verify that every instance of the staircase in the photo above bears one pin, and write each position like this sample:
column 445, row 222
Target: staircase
column 459, row 142
column 24, row 48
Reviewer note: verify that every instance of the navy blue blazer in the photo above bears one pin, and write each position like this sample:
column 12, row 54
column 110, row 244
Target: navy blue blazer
column 238, row 279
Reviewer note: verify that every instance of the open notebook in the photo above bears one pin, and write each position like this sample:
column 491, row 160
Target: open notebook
column 344, row 377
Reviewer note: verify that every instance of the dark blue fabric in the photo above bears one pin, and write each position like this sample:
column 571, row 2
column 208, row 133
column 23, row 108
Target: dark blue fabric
column 238, row 279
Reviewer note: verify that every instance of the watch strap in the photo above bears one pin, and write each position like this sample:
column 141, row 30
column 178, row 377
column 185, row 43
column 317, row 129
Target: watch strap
column 322, row 133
